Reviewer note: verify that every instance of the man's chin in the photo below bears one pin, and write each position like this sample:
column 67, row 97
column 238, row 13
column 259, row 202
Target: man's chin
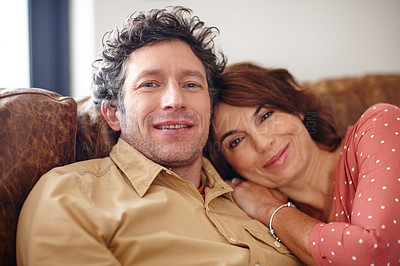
column 171, row 155
column 176, row 159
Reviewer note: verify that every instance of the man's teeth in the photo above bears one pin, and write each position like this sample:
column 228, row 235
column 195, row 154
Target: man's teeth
column 171, row 126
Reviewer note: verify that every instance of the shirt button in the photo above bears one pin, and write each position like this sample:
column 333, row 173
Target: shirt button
column 277, row 244
column 233, row 239
column 168, row 172
column 207, row 208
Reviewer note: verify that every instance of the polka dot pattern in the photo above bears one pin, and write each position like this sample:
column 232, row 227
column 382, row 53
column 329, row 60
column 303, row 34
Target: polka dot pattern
column 366, row 221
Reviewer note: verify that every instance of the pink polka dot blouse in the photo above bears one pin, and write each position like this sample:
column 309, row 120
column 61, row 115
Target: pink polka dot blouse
column 366, row 222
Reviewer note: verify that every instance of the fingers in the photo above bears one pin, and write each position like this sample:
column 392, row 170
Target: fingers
column 230, row 184
column 236, row 181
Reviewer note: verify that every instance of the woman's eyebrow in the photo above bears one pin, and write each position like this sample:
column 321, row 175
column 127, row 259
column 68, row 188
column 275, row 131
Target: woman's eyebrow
column 257, row 111
column 227, row 134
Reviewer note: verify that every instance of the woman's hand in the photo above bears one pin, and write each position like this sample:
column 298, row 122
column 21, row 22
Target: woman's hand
column 257, row 201
column 291, row 225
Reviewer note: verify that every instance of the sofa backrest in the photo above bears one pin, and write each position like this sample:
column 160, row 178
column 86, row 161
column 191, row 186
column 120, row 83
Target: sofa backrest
column 94, row 138
column 37, row 133
column 349, row 97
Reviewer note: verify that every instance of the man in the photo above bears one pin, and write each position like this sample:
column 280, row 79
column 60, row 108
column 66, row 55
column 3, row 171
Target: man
column 154, row 200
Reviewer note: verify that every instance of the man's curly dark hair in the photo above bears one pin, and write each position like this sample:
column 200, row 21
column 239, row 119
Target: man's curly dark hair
column 144, row 28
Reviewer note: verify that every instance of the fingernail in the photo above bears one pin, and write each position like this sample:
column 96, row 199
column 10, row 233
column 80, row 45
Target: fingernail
column 235, row 181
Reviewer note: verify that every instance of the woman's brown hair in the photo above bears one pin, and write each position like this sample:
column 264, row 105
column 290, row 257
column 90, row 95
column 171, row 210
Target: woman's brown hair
column 250, row 85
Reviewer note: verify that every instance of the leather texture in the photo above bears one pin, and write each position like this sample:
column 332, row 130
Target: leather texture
column 38, row 132
column 95, row 138
column 348, row 98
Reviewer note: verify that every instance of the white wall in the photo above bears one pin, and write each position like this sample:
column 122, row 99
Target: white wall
column 14, row 44
column 314, row 39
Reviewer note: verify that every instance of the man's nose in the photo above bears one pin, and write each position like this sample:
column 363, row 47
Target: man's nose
column 173, row 97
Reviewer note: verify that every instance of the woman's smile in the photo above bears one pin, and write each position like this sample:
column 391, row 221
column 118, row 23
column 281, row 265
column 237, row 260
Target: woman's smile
column 266, row 146
column 279, row 158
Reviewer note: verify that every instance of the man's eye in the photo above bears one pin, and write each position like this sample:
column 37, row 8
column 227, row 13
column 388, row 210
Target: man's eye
column 148, row 84
column 192, row 85
column 266, row 115
column 235, row 142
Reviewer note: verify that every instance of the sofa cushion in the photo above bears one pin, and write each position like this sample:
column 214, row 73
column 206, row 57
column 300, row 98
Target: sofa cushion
column 348, row 98
column 38, row 131
column 95, row 138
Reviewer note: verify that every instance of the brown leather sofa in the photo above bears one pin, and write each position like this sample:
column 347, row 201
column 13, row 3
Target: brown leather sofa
column 41, row 130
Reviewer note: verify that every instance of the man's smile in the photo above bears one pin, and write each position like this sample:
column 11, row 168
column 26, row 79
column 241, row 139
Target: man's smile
column 171, row 126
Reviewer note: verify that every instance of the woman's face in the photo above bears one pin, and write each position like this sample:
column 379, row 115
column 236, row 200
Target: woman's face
column 266, row 146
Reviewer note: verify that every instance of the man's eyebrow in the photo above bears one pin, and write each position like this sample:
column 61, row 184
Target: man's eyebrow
column 227, row 134
column 195, row 73
column 149, row 72
column 185, row 72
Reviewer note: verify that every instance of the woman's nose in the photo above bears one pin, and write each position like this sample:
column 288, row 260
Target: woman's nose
column 262, row 142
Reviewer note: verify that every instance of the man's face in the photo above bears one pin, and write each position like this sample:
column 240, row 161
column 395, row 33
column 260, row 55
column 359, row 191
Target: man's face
column 167, row 103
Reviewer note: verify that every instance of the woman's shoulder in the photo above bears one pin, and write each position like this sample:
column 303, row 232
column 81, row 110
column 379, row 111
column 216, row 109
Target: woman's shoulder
column 382, row 108
column 381, row 118
column 379, row 115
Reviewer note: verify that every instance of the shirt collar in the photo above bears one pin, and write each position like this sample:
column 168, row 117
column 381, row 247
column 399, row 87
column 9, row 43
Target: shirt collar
column 215, row 184
column 141, row 171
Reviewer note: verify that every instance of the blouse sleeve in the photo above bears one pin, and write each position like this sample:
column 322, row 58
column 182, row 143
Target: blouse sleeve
column 366, row 226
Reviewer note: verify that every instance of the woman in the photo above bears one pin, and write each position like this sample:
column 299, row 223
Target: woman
column 346, row 192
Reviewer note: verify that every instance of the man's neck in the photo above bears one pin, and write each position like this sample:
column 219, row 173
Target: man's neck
column 191, row 172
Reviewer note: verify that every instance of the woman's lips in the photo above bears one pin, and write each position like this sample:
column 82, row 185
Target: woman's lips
column 278, row 159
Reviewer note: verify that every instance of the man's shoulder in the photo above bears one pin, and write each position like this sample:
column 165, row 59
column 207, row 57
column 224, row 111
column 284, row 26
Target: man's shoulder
column 88, row 171
column 88, row 166
column 76, row 182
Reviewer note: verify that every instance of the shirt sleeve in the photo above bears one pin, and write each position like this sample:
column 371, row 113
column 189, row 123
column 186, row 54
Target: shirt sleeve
column 59, row 225
column 371, row 235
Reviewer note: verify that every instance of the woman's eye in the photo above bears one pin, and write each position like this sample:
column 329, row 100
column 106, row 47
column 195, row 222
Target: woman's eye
column 266, row 115
column 235, row 142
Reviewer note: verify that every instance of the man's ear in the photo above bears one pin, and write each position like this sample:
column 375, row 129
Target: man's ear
column 111, row 115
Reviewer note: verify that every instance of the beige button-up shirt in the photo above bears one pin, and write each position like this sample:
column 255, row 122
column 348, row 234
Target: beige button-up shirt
column 127, row 210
